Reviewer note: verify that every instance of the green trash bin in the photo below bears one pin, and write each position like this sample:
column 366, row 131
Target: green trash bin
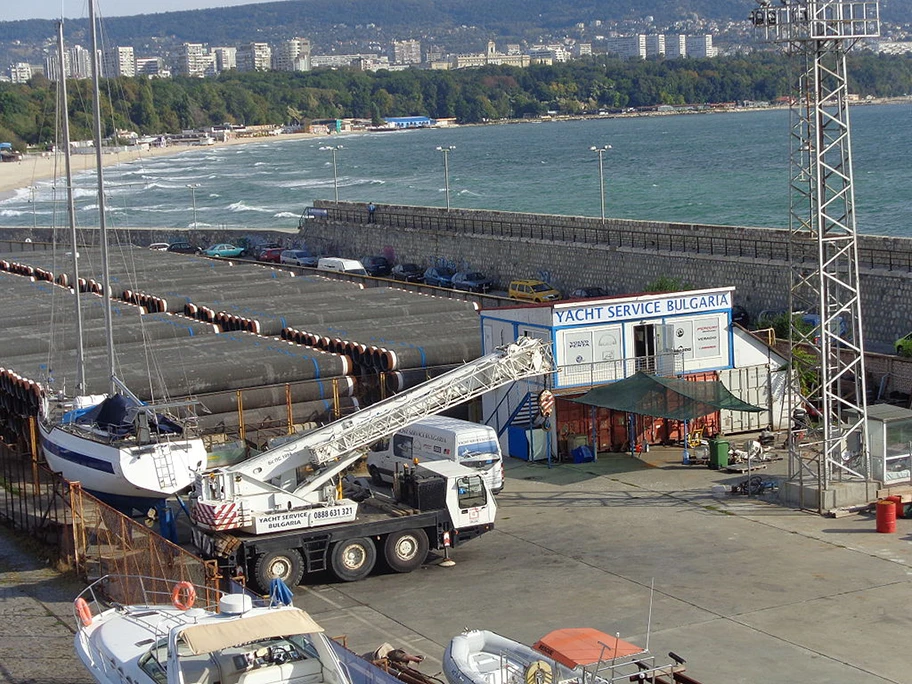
column 718, row 454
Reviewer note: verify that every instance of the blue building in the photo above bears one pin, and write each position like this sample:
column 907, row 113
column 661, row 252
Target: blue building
column 409, row 121
column 597, row 342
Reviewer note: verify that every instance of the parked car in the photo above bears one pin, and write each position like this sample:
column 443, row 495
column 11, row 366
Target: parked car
column 340, row 265
column 532, row 291
column 183, row 248
column 589, row 292
column 472, row 281
column 159, row 246
column 377, row 266
column 409, row 273
column 271, row 255
column 259, row 249
column 903, row 345
column 740, row 316
column 298, row 257
column 223, row 249
column 439, row 277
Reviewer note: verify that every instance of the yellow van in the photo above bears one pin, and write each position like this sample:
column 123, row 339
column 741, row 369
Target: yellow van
column 533, row 291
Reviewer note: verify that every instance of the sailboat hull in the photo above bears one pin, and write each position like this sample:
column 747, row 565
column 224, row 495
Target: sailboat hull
column 151, row 471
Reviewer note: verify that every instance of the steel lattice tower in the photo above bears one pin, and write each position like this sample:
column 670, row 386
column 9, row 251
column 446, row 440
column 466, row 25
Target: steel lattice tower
column 828, row 437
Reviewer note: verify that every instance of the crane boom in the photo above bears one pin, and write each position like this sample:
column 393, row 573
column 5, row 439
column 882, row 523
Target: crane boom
column 267, row 484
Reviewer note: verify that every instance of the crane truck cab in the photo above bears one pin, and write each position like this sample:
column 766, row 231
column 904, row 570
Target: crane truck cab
column 439, row 438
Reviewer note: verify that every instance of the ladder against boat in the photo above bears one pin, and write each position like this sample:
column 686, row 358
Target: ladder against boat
column 164, row 470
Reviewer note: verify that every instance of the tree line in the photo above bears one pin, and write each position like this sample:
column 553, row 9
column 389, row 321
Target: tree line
column 153, row 106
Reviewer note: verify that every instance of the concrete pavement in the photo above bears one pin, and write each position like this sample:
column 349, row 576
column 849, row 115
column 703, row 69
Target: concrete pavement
column 36, row 618
column 746, row 590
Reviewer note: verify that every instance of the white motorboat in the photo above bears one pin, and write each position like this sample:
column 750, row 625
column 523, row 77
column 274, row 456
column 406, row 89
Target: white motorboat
column 165, row 636
column 119, row 448
column 481, row 657
column 580, row 656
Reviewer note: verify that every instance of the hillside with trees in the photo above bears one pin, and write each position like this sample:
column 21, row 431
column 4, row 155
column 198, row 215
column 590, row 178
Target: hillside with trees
column 454, row 25
column 27, row 112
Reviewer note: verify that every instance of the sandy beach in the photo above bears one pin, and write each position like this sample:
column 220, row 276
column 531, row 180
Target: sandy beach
column 18, row 175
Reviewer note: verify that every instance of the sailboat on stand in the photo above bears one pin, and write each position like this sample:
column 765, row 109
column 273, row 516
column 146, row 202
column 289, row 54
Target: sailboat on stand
column 130, row 454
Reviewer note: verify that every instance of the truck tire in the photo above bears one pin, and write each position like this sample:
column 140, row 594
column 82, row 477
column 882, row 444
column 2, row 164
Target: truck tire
column 405, row 551
column 374, row 472
column 353, row 559
column 285, row 564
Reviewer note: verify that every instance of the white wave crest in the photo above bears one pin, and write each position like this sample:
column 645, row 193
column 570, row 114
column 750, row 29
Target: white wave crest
column 240, row 206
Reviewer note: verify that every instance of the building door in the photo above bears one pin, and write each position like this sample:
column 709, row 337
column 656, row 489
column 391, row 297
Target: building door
column 644, row 347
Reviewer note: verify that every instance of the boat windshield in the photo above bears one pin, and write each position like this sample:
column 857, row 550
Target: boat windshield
column 295, row 653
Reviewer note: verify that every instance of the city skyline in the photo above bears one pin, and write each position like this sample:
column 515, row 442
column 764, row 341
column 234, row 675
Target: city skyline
column 77, row 9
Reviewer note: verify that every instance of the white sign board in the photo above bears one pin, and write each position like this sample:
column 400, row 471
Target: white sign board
column 310, row 517
column 644, row 307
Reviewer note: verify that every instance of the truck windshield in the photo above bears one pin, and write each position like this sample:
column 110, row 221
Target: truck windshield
column 479, row 455
column 471, row 492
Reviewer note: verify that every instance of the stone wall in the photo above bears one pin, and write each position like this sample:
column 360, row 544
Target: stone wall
column 621, row 256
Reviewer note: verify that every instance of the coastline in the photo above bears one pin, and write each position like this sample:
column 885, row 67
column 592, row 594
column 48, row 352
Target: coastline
column 16, row 176
column 33, row 168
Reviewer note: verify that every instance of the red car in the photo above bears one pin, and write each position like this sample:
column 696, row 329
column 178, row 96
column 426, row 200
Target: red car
column 271, row 255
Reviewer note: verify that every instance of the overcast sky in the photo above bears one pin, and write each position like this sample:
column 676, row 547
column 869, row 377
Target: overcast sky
column 11, row 10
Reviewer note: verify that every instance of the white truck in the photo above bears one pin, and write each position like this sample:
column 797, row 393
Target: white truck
column 439, row 438
column 283, row 513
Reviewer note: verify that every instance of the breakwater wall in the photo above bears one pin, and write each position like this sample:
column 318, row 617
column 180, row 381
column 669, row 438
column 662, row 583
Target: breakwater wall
column 623, row 256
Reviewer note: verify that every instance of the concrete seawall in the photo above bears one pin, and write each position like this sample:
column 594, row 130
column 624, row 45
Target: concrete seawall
column 623, row 256
column 620, row 255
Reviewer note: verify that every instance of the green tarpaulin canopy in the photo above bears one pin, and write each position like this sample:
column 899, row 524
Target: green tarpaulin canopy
column 673, row 398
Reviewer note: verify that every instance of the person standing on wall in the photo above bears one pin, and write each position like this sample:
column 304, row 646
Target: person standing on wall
column 370, row 212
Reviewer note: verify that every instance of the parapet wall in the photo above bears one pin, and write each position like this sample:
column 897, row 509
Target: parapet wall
column 620, row 255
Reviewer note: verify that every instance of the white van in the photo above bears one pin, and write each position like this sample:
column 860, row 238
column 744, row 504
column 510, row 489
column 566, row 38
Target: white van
column 439, row 438
column 352, row 266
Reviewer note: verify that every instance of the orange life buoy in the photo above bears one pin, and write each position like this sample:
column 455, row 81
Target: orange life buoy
column 83, row 612
column 183, row 595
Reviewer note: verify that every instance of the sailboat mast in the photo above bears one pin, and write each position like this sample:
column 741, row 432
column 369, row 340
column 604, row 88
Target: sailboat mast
column 71, row 212
column 102, row 223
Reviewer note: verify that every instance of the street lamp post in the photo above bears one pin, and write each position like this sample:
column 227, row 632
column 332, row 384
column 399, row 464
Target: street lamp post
column 193, row 187
column 446, row 171
column 601, row 151
column 33, row 199
column 333, row 148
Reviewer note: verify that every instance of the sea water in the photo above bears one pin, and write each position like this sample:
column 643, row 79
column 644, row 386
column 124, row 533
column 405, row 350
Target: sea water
column 720, row 168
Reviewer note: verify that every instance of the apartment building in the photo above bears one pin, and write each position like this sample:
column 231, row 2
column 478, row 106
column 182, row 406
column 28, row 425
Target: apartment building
column 118, row 61
column 627, row 47
column 406, row 52
column 655, row 45
column 675, row 47
column 292, row 55
column 151, row 66
column 700, row 46
column 225, row 58
column 21, row 72
column 491, row 56
column 78, row 62
column 254, row 57
column 195, row 61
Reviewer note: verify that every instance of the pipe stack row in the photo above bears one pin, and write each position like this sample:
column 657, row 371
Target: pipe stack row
column 19, row 399
column 273, row 329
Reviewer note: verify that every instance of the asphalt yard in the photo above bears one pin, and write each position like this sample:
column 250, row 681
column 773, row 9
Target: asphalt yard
column 745, row 590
